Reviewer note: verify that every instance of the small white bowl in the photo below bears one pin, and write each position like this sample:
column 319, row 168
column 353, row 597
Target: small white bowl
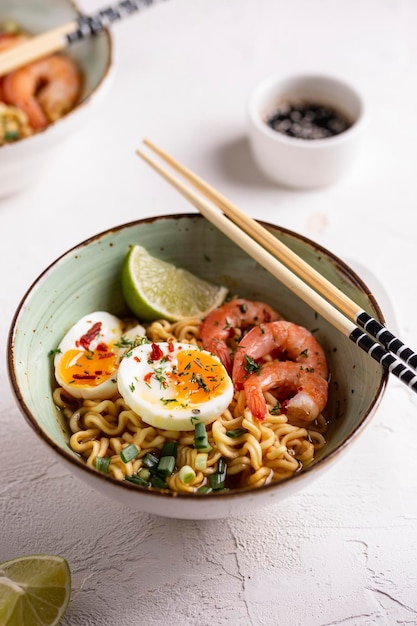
column 22, row 163
column 304, row 163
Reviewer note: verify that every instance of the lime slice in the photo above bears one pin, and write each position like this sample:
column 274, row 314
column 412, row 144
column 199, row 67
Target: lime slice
column 34, row 590
column 155, row 289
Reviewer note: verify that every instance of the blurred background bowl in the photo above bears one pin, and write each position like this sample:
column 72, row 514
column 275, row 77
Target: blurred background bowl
column 297, row 162
column 87, row 278
column 24, row 161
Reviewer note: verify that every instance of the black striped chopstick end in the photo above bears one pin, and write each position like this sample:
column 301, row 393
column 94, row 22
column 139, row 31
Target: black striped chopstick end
column 385, row 358
column 387, row 339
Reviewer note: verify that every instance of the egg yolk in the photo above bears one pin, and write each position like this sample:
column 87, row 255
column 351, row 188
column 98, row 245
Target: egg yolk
column 197, row 377
column 85, row 368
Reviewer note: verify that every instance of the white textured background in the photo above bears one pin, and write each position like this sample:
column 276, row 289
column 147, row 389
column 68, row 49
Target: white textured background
column 344, row 551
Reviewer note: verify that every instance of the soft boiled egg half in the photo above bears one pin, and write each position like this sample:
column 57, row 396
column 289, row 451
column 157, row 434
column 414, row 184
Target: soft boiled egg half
column 88, row 357
column 174, row 385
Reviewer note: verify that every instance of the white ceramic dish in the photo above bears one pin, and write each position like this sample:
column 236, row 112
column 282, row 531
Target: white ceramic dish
column 304, row 163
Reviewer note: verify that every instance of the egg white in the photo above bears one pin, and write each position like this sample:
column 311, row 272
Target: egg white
column 112, row 329
column 148, row 387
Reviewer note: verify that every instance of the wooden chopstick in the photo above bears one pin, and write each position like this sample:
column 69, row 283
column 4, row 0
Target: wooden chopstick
column 288, row 278
column 311, row 276
column 57, row 39
column 36, row 48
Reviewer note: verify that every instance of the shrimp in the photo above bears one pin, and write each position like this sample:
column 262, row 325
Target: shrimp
column 45, row 90
column 7, row 40
column 303, row 393
column 292, row 342
column 221, row 324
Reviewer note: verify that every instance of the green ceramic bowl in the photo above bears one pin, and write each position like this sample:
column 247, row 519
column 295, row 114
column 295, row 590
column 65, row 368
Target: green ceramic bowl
column 87, row 278
column 22, row 163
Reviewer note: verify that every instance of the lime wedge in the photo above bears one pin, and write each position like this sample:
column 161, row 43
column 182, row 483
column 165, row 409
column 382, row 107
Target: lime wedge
column 34, row 590
column 155, row 289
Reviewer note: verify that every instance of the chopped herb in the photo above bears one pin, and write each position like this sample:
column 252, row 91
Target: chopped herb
column 186, row 474
column 150, row 460
column 216, row 481
column 132, row 387
column 158, row 482
column 169, row 448
column 129, row 453
column 102, row 464
column 204, row 489
column 235, row 433
column 304, row 352
column 201, row 441
column 251, row 367
column 159, row 375
column 201, row 461
column 144, row 473
column 276, row 410
column 166, row 401
column 138, row 480
column 199, row 381
column 53, row 352
column 166, row 465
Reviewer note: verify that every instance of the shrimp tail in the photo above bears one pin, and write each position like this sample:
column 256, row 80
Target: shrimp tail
column 256, row 401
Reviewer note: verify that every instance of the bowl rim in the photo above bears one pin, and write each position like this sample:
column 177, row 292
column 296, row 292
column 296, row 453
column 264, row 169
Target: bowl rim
column 105, row 32
column 156, row 493
column 275, row 80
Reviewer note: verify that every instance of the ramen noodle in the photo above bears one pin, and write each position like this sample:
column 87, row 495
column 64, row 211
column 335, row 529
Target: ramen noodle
column 240, row 450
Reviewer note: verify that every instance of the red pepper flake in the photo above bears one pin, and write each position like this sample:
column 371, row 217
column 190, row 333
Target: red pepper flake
column 137, row 359
column 91, row 334
column 156, row 353
column 147, row 377
column 171, row 346
column 102, row 347
column 106, row 355
column 98, row 372
column 84, row 376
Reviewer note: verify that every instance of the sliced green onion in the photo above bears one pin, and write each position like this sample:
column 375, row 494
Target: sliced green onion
column 157, row 482
column 169, row 448
column 130, row 452
column 235, row 433
column 216, row 482
column 102, row 463
column 186, row 474
column 201, row 441
column 150, row 460
column 144, row 473
column 201, row 461
column 222, row 468
column 166, row 465
column 137, row 480
column 204, row 489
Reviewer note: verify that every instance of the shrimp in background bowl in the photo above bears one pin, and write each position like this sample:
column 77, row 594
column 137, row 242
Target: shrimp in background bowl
column 36, row 95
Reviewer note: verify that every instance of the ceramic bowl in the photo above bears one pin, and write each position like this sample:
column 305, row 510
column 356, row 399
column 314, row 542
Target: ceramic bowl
column 297, row 162
column 22, row 163
column 87, row 278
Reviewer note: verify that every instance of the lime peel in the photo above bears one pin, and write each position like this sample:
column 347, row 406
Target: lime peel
column 155, row 289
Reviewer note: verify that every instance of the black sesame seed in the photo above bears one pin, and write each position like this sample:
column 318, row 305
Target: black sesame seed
column 308, row 121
